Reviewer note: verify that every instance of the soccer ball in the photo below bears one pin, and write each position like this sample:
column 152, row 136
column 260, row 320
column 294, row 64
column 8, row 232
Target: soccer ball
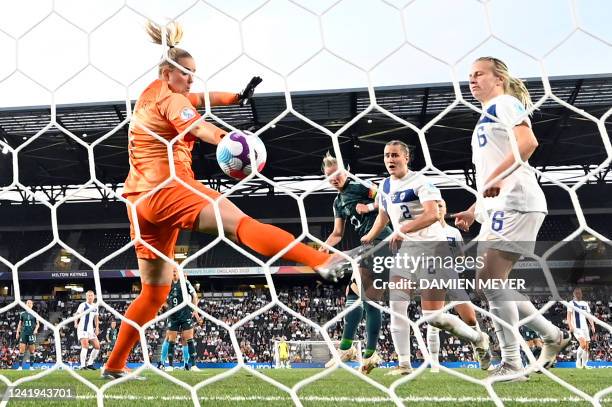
column 233, row 154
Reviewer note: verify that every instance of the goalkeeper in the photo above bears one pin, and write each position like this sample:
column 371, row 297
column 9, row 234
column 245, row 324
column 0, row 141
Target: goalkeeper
column 283, row 353
column 167, row 109
column 355, row 203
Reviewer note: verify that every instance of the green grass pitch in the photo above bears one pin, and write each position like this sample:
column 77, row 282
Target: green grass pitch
column 340, row 388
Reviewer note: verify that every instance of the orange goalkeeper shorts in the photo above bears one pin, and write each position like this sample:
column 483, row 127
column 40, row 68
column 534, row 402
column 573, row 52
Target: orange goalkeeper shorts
column 162, row 215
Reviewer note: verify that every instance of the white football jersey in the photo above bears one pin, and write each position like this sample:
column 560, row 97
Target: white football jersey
column 455, row 240
column 491, row 144
column 580, row 321
column 402, row 199
column 87, row 321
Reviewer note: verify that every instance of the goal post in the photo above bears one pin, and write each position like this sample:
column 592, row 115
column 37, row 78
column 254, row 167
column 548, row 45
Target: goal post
column 308, row 353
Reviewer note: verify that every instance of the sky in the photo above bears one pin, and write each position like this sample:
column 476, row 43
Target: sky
column 74, row 51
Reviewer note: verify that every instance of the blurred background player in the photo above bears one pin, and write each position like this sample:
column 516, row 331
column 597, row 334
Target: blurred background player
column 466, row 310
column 283, row 354
column 111, row 335
column 579, row 326
column 27, row 328
column 181, row 321
column 513, row 208
column 409, row 200
column 88, row 329
column 167, row 108
column 355, row 204
column 533, row 341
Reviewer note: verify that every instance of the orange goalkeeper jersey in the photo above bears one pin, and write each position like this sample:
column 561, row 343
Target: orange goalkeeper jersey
column 166, row 114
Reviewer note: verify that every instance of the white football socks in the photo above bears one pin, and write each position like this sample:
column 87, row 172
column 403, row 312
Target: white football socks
column 433, row 344
column 506, row 310
column 92, row 356
column 400, row 331
column 579, row 352
column 83, row 356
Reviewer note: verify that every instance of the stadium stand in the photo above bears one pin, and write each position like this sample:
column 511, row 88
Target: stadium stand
column 317, row 302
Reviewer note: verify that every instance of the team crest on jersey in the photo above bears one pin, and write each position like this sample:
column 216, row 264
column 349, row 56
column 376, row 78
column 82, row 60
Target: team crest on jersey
column 406, row 195
column 187, row 113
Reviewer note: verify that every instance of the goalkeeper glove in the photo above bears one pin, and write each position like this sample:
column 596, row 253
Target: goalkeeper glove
column 245, row 96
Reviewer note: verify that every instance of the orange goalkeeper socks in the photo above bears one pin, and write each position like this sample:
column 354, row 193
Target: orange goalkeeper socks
column 269, row 240
column 143, row 309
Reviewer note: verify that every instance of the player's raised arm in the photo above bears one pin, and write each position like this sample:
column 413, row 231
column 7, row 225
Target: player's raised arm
column 227, row 98
column 179, row 111
column 216, row 99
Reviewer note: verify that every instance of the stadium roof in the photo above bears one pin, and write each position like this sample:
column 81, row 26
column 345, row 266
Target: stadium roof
column 295, row 148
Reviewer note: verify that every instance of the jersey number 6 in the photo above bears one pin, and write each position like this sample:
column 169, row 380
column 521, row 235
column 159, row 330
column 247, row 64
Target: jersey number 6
column 498, row 221
column 482, row 136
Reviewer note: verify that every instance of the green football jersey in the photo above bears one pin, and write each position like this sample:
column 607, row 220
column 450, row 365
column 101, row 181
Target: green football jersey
column 28, row 323
column 345, row 207
column 175, row 297
column 111, row 334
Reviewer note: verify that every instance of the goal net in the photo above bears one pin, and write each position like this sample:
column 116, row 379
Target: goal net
column 362, row 61
column 314, row 354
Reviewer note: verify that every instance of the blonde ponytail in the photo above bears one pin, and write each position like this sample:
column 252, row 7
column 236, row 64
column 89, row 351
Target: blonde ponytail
column 512, row 86
column 517, row 88
column 174, row 35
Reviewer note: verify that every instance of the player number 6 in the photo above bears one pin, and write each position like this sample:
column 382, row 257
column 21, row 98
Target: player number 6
column 482, row 137
column 498, row 221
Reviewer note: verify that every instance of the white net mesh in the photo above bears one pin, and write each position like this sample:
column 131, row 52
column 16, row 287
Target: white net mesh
column 369, row 62
column 309, row 352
